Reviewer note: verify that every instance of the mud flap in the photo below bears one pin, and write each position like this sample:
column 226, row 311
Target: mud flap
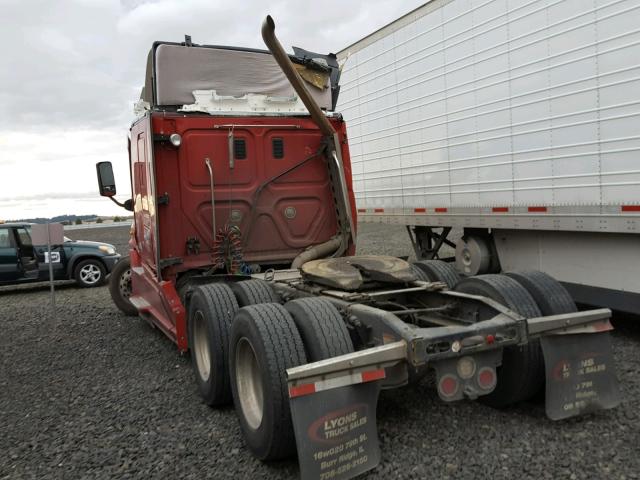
column 336, row 431
column 580, row 374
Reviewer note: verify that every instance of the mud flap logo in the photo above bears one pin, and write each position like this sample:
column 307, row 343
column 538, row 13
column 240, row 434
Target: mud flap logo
column 332, row 427
column 580, row 374
column 336, row 431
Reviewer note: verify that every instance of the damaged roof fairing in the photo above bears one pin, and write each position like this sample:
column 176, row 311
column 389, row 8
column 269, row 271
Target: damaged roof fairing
column 176, row 70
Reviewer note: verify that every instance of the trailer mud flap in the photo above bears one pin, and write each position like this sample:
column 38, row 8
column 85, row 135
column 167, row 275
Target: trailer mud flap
column 580, row 374
column 336, row 431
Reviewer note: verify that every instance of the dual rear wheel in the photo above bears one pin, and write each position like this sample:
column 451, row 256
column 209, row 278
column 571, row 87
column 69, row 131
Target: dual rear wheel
column 531, row 294
column 243, row 341
column 242, row 346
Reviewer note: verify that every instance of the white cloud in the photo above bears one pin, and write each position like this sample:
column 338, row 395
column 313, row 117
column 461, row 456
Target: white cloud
column 72, row 70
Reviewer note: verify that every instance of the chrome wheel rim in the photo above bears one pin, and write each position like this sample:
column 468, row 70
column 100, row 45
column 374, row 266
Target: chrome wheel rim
column 90, row 274
column 125, row 283
column 201, row 350
column 249, row 383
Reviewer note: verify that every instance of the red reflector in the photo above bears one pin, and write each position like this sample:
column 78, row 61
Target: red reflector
column 537, row 209
column 630, row 208
column 362, row 210
column 372, row 375
column 500, row 209
column 300, row 390
column 487, row 378
column 490, row 339
column 441, row 210
column 378, row 210
column 419, row 210
column 448, row 386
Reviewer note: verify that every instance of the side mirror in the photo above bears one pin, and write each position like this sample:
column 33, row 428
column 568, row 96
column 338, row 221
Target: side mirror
column 106, row 181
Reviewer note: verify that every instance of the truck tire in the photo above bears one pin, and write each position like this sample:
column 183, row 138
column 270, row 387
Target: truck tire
column 323, row 331
column 419, row 273
column 439, row 271
column 252, row 292
column 264, row 343
column 211, row 311
column 552, row 298
column 521, row 374
column 120, row 287
column 89, row 273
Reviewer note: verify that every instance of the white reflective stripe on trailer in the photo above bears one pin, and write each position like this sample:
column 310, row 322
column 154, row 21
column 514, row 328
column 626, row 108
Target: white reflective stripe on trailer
column 629, row 222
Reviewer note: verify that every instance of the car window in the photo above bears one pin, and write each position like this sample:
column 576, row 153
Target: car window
column 5, row 239
column 25, row 237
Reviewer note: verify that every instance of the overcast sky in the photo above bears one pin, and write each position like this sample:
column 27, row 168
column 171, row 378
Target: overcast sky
column 72, row 70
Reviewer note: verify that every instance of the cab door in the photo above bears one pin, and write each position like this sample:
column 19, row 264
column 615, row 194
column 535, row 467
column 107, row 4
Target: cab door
column 28, row 263
column 9, row 266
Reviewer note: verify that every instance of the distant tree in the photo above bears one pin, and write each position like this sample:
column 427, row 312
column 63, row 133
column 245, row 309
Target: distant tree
column 117, row 219
column 78, row 221
column 99, row 220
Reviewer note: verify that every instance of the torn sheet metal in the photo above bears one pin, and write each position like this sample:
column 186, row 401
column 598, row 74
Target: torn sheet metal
column 208, row 101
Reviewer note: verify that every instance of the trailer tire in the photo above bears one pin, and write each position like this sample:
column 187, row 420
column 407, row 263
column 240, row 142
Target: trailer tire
column 439, row 271
column 552, row 298
column 252, row 292
column 264, row 344
column 521, row 374
column 120, row 287
column 323, row 331
column 211, row 310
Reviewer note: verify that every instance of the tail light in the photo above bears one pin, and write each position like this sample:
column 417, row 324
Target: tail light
column 487, row 378
column 448, row 386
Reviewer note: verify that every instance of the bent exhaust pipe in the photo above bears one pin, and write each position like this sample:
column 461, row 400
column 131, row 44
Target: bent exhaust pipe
column 275, row 47
column 336, row 170
column 317, row 251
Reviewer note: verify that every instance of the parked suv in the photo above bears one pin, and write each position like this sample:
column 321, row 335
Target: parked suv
column 88, row 263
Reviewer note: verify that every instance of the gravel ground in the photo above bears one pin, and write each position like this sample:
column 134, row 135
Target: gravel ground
column 94, row 394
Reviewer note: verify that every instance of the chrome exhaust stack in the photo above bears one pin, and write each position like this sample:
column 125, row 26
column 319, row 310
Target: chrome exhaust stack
column 334, row 153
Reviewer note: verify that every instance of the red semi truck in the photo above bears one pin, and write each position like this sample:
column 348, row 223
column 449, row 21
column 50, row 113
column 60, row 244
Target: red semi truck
column 242, row 254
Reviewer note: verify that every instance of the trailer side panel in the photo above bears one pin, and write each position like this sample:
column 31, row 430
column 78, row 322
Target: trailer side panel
column 521, row 115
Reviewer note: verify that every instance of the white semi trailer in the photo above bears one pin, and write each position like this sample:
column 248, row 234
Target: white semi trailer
column 517, row 121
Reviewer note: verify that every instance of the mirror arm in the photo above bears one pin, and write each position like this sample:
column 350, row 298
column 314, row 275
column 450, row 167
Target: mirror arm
column 127, row 205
